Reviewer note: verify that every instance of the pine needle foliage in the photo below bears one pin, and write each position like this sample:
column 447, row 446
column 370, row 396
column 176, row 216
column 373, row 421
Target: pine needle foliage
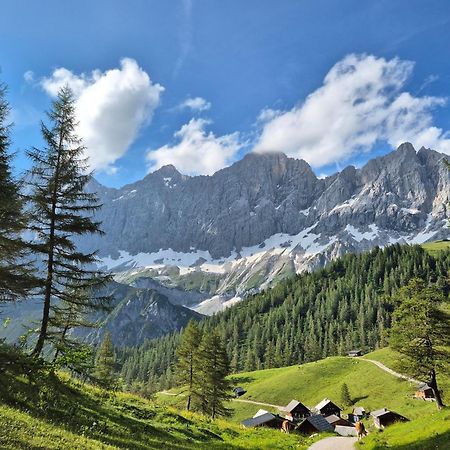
column 421, row 331
column 61, row 210
column 188, row 368
column 15, row 275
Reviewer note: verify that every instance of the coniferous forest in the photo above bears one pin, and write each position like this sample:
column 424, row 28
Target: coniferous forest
column 344, row 306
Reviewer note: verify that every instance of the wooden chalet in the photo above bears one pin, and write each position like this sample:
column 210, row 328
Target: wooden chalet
column 263, row 419
column 238, row 391
column 354, row 353
column 383, row 417
column 314, row 424
column 357, row 414
column 424, row 393
column 334, row 420
column 326, row 408
column 295, row 411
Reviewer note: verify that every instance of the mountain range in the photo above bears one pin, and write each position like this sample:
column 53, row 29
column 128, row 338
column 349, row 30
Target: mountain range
column 177, row 243
column 211, row 240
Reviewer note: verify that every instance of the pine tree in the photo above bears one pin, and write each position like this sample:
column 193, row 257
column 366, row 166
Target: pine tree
column 15, row 275
column 187, row 369
column 61, row 210
column 345, row 395
column 215, row 388
column 421, row 332
column 105, row 363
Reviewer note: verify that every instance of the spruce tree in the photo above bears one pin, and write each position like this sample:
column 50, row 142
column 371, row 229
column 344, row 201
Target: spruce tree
column 105, row 363
column 421, row 332
column 345, row 395
column 188, row 371
column 215, row 387
column 15, row 275
column 61, row 210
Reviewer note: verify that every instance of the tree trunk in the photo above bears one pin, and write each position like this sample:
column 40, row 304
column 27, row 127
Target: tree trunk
column 433, row 385
column 188, row 403
column 51, row 251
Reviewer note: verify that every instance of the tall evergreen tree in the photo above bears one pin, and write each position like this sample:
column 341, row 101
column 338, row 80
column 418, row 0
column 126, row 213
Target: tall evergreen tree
column 345, row 395
column 105, row 363
column 215, row 387
column 421, row 332
column 188, row 370
column 61, row 210
column 15, row 275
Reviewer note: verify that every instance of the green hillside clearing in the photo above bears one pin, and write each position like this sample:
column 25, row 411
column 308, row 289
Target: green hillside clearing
column 435, row 247
column 59, row 413
column 369, row 386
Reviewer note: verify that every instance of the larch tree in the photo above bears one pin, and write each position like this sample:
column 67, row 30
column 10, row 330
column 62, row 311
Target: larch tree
column 421, row 332
column 188, row 370
column 215, row 387
column 105, row 362
column 61, row 210
column 15, row 274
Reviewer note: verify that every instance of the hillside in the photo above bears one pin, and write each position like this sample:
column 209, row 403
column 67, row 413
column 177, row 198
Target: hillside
column 57, row 413
column 369, row 386
column 307, row 317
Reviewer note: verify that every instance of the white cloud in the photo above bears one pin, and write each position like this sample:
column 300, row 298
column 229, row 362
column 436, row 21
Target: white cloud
column 360, row 102
column 197, row 151
column 111, row 108
column 195, row 104
column 28, row 76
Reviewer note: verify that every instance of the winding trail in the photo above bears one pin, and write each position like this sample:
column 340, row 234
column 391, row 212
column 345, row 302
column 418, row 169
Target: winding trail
column 255, row 403
column 335, row 443
column 392, row 372
column 241, row 400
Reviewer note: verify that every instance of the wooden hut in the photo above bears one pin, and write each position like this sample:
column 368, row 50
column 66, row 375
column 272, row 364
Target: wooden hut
column 357, row 414
column 354, row 353
column 295, row 410
column 383, row 417
column 238, row 391
column 424, row 393
column 326, row 408
column 334, row 420
column 314, row 424
column 263, row 419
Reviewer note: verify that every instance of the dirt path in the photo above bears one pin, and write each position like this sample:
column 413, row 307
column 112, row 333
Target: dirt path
column 254, row 403
column 335, row 443
column 392, row 372
column 233, row 399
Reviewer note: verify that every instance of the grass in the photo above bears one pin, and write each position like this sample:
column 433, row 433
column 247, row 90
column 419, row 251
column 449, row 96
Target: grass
column 435, row 247
column 55, row 412
column 369, row 386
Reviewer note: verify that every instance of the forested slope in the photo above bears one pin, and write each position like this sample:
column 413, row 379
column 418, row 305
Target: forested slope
column 305, row 318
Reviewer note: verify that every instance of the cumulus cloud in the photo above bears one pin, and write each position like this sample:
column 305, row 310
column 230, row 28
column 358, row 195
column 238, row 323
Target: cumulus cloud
column 195, row 104
column 111, row 108
column 196, row 151
column 361, row 101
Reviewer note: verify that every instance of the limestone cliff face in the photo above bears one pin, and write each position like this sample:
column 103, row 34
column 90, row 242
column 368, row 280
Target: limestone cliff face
column 264, row 217
column 263, row 195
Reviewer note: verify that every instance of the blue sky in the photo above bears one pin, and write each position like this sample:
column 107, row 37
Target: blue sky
column 200, row 83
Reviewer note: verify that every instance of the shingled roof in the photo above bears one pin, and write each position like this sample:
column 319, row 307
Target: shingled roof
column 318, row 422
column 324, row 403
column 258, row 420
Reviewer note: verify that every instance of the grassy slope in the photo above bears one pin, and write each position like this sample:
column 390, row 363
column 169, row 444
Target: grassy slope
column 436, row 246
column 369, row 386
column 63, row 414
